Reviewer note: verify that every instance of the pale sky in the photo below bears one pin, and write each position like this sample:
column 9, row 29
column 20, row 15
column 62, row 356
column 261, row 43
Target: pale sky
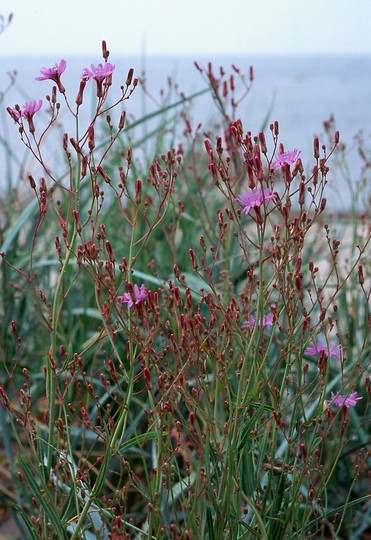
column 175, row 27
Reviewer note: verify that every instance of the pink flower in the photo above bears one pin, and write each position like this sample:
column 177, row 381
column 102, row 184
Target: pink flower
column 102, row 71
column 285, row 158
column 139, row 294
column 29, row 109
column 346, row 401
column 54, row 73
column 99, row 74
column 318, row 347
column 255, row 197
column 267, row 321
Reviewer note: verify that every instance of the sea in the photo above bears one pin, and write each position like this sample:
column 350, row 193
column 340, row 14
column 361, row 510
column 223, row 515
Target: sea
column 300, row 92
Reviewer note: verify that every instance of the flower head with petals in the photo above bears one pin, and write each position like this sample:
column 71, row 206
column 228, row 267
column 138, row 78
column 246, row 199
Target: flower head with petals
column 346, row 401
column 99, row 72
column 29, row 109
column 285, row 158
column 319, row 347
column 54, row 74
column 139, row 294
column 267, row 321
column 255, row 197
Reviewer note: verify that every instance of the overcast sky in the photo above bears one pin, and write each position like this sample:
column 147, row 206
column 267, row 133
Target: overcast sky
column 176, row 27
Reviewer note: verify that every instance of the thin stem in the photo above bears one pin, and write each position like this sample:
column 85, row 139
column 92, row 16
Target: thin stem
column 50, row 364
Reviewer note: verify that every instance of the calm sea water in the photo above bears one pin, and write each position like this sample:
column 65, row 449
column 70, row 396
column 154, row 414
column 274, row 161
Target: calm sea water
column 300, row 92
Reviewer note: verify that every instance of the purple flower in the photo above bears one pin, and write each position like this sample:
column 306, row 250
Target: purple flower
column 29, row 109
column 285, row 158
column 54, row 74
column 346, row 401
column 99, row 74
column 318, row 347
column 267, row 321
column 139, row 294
column 255, row 197
column 102, row 71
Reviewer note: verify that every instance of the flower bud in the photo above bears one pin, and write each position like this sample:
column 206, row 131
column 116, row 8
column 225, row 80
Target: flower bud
column 79, row 98
column 32, row 181
column 138, row 191
column 13, row 114
column 54, row 95
column 316, row 148
column 122, row 120
column 209, row 149
column 193, row 259
column 301, row 193
column 129, row 77
column 361, row 277
column 263, row 144
column 103, row 174
column 147, row 377
column 110, row 251
column 105, row 51
column 91, row 139
column 84, row 166
column 76, row 220
column 76, row 145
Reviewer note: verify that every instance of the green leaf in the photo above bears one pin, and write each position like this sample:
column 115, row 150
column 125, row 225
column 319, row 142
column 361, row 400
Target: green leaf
column 135, row 441
column 44, row 501
column 41, row 455
column 210, row 525
column 251, row 531
column 246, row 430
column 68, row 510
column 17, row 226
column 27, row 522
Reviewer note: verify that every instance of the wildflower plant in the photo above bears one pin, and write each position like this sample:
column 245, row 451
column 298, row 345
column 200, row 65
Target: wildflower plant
column 176, row 386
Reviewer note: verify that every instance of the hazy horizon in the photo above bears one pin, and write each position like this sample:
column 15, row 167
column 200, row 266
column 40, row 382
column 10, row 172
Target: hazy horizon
column 149, row 28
